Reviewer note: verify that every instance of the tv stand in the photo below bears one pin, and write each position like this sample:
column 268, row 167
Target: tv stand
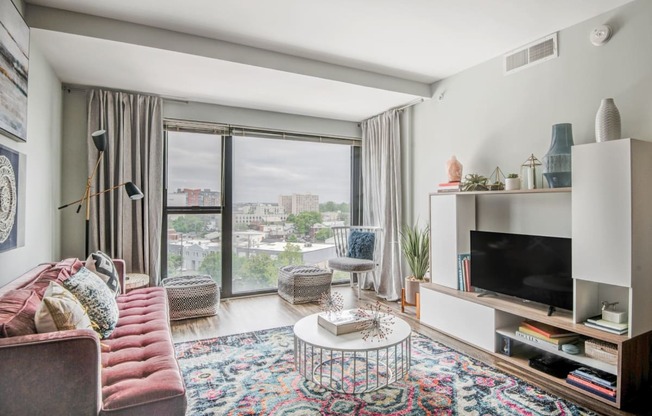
column 551, row 310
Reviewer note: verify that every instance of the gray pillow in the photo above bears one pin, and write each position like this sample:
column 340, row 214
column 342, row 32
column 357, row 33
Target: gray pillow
column 102, row 265
column 97, row 298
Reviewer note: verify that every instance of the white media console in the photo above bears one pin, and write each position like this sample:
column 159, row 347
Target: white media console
column 608, row 215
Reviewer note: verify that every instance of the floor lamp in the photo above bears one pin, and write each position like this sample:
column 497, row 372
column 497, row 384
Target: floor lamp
column 99, row 139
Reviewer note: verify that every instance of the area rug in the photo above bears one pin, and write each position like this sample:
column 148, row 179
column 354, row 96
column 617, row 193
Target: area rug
column 253, row 374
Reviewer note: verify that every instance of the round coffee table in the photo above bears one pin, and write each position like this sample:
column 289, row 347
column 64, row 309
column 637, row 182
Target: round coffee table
column 347, row 363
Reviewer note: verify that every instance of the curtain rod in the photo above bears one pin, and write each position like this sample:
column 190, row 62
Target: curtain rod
column 84, row 88
column 399, row 108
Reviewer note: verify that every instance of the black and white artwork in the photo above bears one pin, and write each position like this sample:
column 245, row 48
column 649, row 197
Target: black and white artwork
column 11, row 199
column 14, row 59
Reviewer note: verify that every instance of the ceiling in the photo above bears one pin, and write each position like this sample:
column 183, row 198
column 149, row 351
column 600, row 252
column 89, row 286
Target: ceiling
column 334, row 59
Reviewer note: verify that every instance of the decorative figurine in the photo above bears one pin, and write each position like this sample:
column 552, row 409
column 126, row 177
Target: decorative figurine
column 454, row 169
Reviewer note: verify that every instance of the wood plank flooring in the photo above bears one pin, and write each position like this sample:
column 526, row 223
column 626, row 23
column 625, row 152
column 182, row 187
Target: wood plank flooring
column 270, row 311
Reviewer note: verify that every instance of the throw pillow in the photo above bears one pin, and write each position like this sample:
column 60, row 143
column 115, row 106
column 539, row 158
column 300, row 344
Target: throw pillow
column 59, row 311
column 361, row 245
column 102, row 265
column 17, row 310
column 97, row 298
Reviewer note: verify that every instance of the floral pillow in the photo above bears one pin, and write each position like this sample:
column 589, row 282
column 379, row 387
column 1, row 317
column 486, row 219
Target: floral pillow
column 97, row 298
column 102, row 265
column 60, row 310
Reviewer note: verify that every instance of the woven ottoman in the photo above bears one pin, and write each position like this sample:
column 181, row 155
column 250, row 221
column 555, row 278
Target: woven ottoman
column 192, row 296
column 301, row 284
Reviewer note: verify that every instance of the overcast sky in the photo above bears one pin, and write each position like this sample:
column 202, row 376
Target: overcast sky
column 263, row 168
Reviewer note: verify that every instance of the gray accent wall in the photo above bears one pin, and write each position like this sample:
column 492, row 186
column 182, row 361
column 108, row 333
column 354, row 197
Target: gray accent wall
column 43, row 179
column 488, row 119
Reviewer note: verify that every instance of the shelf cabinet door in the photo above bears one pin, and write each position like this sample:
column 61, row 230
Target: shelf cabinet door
column 602, row 212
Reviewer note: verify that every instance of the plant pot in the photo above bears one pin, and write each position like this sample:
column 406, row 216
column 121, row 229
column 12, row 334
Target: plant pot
column 412, row 287
column 512, row 184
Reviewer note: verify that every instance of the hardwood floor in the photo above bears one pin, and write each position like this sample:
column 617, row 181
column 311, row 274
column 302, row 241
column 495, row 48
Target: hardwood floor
column 270, row 311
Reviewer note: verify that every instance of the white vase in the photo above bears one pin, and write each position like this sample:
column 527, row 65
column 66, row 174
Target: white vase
column 607, row 121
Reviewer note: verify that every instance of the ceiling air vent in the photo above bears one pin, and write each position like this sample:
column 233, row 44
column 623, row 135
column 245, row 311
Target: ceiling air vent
column 531, row 54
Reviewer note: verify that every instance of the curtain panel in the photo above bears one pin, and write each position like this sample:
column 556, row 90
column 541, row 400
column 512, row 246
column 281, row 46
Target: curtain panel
column 381, row 195
column 120, row 227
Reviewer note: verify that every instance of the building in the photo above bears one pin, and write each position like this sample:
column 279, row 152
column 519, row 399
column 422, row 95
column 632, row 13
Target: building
column 297, row 203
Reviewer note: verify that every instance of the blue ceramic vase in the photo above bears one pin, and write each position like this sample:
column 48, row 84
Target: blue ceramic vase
column 557, row 162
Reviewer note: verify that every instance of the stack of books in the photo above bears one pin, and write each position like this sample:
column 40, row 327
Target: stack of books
column 595, row 381
column 464, row 272
column 449, row 187
column 598, row 323
column 342, row 322
column 545, row 336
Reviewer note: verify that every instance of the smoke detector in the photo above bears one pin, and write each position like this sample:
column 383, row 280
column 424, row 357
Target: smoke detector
column 600, row 35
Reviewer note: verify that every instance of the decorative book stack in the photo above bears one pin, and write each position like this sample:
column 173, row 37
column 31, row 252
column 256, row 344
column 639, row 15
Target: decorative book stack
column 595, row 381
column 342, row 322
column 449, row 187
column 464, row 272
column 602, row 324
column 546, row 337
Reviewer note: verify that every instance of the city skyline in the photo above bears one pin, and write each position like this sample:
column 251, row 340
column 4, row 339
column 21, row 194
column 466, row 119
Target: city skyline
column 318, row 168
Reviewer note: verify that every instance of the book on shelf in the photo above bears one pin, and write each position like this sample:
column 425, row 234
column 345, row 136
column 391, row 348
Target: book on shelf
column 590, row 389
column 597, row 320
column 467, row 273
column 604, row 389
column 596, row 376
column 449, row 187
column 461, row 272
column 606, row 328
column 555, row 341
column 538, row 342
column 546, row 330
column 343, row 322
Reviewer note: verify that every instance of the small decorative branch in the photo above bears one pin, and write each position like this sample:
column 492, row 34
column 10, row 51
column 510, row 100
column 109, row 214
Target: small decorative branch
column 377, row 322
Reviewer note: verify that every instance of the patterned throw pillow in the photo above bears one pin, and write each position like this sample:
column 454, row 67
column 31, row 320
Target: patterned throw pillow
column 97, row 298
column 102, row 265
column 361, row 245
column 60, row 310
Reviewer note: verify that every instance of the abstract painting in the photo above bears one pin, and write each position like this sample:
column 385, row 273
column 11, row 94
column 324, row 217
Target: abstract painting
column 12, row 201
column 14, row 59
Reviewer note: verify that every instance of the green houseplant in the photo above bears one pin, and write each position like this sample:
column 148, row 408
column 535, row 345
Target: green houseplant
column 415, row 244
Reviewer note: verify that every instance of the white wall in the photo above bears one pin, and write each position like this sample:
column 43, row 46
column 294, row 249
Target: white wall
column 487, row 119
column 74, row 170
column 43, row 174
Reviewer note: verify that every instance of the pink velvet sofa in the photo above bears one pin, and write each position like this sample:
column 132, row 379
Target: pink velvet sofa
column 132, row 372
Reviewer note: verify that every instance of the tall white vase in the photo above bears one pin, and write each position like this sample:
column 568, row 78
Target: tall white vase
column 607, row 121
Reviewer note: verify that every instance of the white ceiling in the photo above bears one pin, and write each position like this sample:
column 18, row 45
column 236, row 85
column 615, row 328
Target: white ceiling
column 420, row 40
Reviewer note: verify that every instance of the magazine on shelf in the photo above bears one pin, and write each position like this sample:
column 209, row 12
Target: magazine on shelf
column 597, row 376
column 591, row 390
column 597, row 320
column 538, row 342
column 606, row 329
column 606, row 390
column 548, row 330
column 556, row 341
column 343, row 322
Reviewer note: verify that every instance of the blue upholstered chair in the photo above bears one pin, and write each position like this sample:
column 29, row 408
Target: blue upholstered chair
column 358, row 251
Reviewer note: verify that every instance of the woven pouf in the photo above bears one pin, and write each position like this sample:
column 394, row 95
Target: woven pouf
column 192, row 296
column 301, row 284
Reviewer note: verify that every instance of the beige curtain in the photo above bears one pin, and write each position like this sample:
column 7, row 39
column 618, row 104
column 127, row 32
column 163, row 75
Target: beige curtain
column 381, row 190
column 121, row 227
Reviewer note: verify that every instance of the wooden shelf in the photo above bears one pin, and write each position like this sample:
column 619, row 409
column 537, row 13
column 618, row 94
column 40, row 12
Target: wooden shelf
column 519, row 191
column 530, row 310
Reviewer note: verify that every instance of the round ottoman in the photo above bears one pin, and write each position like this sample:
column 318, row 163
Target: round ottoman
column 301, row 284
column 192, row 296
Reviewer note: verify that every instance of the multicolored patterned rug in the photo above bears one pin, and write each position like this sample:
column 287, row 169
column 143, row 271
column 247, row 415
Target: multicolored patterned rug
column 253, row 374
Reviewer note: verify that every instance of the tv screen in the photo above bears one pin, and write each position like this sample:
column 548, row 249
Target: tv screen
column 530, row 267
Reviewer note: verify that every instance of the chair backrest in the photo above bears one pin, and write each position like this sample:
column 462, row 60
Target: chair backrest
column 341, row 237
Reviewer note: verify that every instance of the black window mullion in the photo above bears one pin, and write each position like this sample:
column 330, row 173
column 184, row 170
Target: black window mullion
column 227, row 216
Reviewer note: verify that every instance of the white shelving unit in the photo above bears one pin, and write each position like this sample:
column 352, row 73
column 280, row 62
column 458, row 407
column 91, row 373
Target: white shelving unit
column 608, row 214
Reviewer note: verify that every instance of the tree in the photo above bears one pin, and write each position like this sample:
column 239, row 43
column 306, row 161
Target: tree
column 323, row 234
column 291, row 255
column 188, row 224
column 304, row 220
column 291, row 238
column 174, row 263
column 327, row 207
column 212, row 265
column 260, row 267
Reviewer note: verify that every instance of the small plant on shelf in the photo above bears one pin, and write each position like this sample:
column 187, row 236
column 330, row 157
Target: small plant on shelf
column 474, row 182
column 512, row 182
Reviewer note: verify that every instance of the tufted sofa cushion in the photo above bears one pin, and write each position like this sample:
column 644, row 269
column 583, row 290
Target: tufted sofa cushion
column 139, row 372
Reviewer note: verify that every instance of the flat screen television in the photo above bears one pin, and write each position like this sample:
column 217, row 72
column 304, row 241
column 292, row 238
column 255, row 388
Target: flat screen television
column 530, row 267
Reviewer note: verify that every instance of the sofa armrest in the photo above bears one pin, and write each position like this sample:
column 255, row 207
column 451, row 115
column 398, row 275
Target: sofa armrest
column 54, row 373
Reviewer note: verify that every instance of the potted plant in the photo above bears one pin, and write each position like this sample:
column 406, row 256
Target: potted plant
column 416, row 249
column 512, row 182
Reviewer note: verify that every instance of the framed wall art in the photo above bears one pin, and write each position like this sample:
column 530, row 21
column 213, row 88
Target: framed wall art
column 14, row 60
column 12, row 199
